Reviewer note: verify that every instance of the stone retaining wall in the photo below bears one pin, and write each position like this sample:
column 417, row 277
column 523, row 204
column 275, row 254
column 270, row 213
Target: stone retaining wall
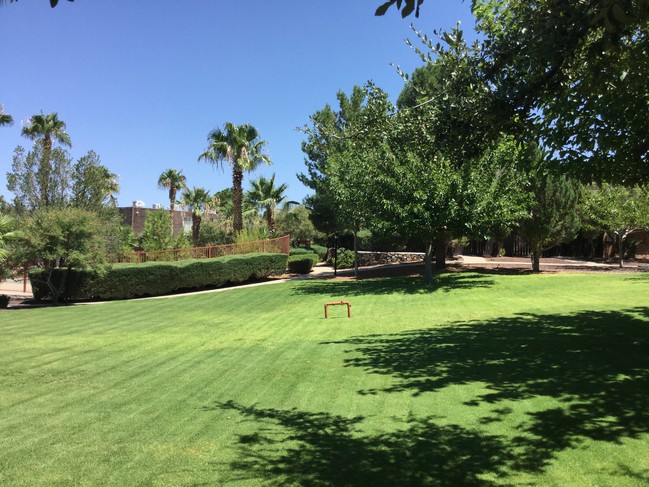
column 376, row 258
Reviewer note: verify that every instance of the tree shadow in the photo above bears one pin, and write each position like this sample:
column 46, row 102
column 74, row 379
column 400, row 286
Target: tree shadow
column 294, row 447
column 595, row 364
column 399, row 285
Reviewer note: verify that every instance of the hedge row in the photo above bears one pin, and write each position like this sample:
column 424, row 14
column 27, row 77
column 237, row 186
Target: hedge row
column 122, row 281
column 302, row 263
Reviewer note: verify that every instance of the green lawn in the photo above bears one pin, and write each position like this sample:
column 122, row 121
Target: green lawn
column 479, row 380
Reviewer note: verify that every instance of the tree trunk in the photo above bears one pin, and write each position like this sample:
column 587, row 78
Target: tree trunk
column 440, row 250
column 428, row 264
column 196, row 228
column 488, row 248
column 237, row 200
column 536, row 258
column 355, row 254
column 172, row 201
column 620, row 248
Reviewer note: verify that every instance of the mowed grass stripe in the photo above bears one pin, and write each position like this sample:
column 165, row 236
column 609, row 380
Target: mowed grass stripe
column 144, row 399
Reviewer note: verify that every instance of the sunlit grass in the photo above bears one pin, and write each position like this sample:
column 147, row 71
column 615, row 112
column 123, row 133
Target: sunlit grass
column 479, row 379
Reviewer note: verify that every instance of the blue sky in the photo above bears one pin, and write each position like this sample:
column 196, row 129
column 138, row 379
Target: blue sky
column 142, row 83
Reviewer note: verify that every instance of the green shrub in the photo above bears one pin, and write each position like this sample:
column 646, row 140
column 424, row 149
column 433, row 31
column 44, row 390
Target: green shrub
column 320, row 250
column 302, row 263
column 155, row 278
column 345, row 259
column 299, row 251
column 4, row 301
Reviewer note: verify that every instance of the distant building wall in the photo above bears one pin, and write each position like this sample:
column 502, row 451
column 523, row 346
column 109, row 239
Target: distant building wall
column 135, row 216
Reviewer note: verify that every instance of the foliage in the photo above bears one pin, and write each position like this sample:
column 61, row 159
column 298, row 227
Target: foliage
column 123, row 281
column 617, row 210
column 61, row 238
column 157, row 234
column 265, row 196
column 39, row 182
column 302, row 263
column 570, row 74
column 553, row 212
column 48, row 129
column 296, row 222
column 173, row 180
column 299, row 251
column 4, row 301
column 198, row 200
column 320, row 250
column 252, row 234
column 241, row 147
column 93, row 185
column 344, row 260
column 214, row 234
column 5, row 118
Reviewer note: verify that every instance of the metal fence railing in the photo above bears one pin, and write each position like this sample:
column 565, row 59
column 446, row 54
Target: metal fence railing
column 276, row 245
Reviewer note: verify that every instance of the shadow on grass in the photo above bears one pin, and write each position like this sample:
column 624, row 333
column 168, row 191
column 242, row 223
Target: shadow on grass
column 397, row 285
column 316, row 449
column 595, row 364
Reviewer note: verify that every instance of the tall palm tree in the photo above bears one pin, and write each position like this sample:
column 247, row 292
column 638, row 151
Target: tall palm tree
column 172, row 180
column 47, row 128
column 265, row 196
column 5, row 118
column 197, row 199
column 240, row 147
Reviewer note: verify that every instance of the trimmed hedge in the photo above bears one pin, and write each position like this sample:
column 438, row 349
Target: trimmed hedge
column 298, row 251
column 320, row 250
column 302, row 263
column 123, row 281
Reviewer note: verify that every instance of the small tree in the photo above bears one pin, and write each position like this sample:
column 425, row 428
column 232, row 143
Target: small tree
column 172, row 180
column 197, row 199
column 157, row 234
column 553, row 214
column 618, row 210
column 61, row 238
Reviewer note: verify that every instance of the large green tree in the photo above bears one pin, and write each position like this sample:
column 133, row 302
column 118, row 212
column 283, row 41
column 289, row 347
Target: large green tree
column 241, row 147
column 617, row 210
column 570, row 73
column 553, row 214
column 172, row 180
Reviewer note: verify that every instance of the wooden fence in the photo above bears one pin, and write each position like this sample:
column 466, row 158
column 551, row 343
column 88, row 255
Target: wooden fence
column 276, row 245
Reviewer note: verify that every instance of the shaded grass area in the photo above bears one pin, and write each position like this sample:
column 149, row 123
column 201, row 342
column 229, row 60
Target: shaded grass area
column 477, row 380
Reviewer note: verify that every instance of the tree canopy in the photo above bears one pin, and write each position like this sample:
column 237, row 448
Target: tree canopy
column 570, row 74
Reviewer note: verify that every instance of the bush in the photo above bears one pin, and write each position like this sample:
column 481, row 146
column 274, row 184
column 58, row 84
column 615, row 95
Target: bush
column 298, row 251
column 302, row 263
column 320, row 250
column 345, row 259
column 4, row 301
column 155, row 278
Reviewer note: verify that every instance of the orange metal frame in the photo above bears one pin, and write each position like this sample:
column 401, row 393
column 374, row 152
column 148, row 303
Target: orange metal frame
column 338, row 303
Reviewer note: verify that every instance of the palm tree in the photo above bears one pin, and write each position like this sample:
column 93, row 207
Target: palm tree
column 5, row 118
column 172, row 180
column 47, row 128
column 241, row 147
column 265, row 196
column 197, row 199
column 6, row 234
